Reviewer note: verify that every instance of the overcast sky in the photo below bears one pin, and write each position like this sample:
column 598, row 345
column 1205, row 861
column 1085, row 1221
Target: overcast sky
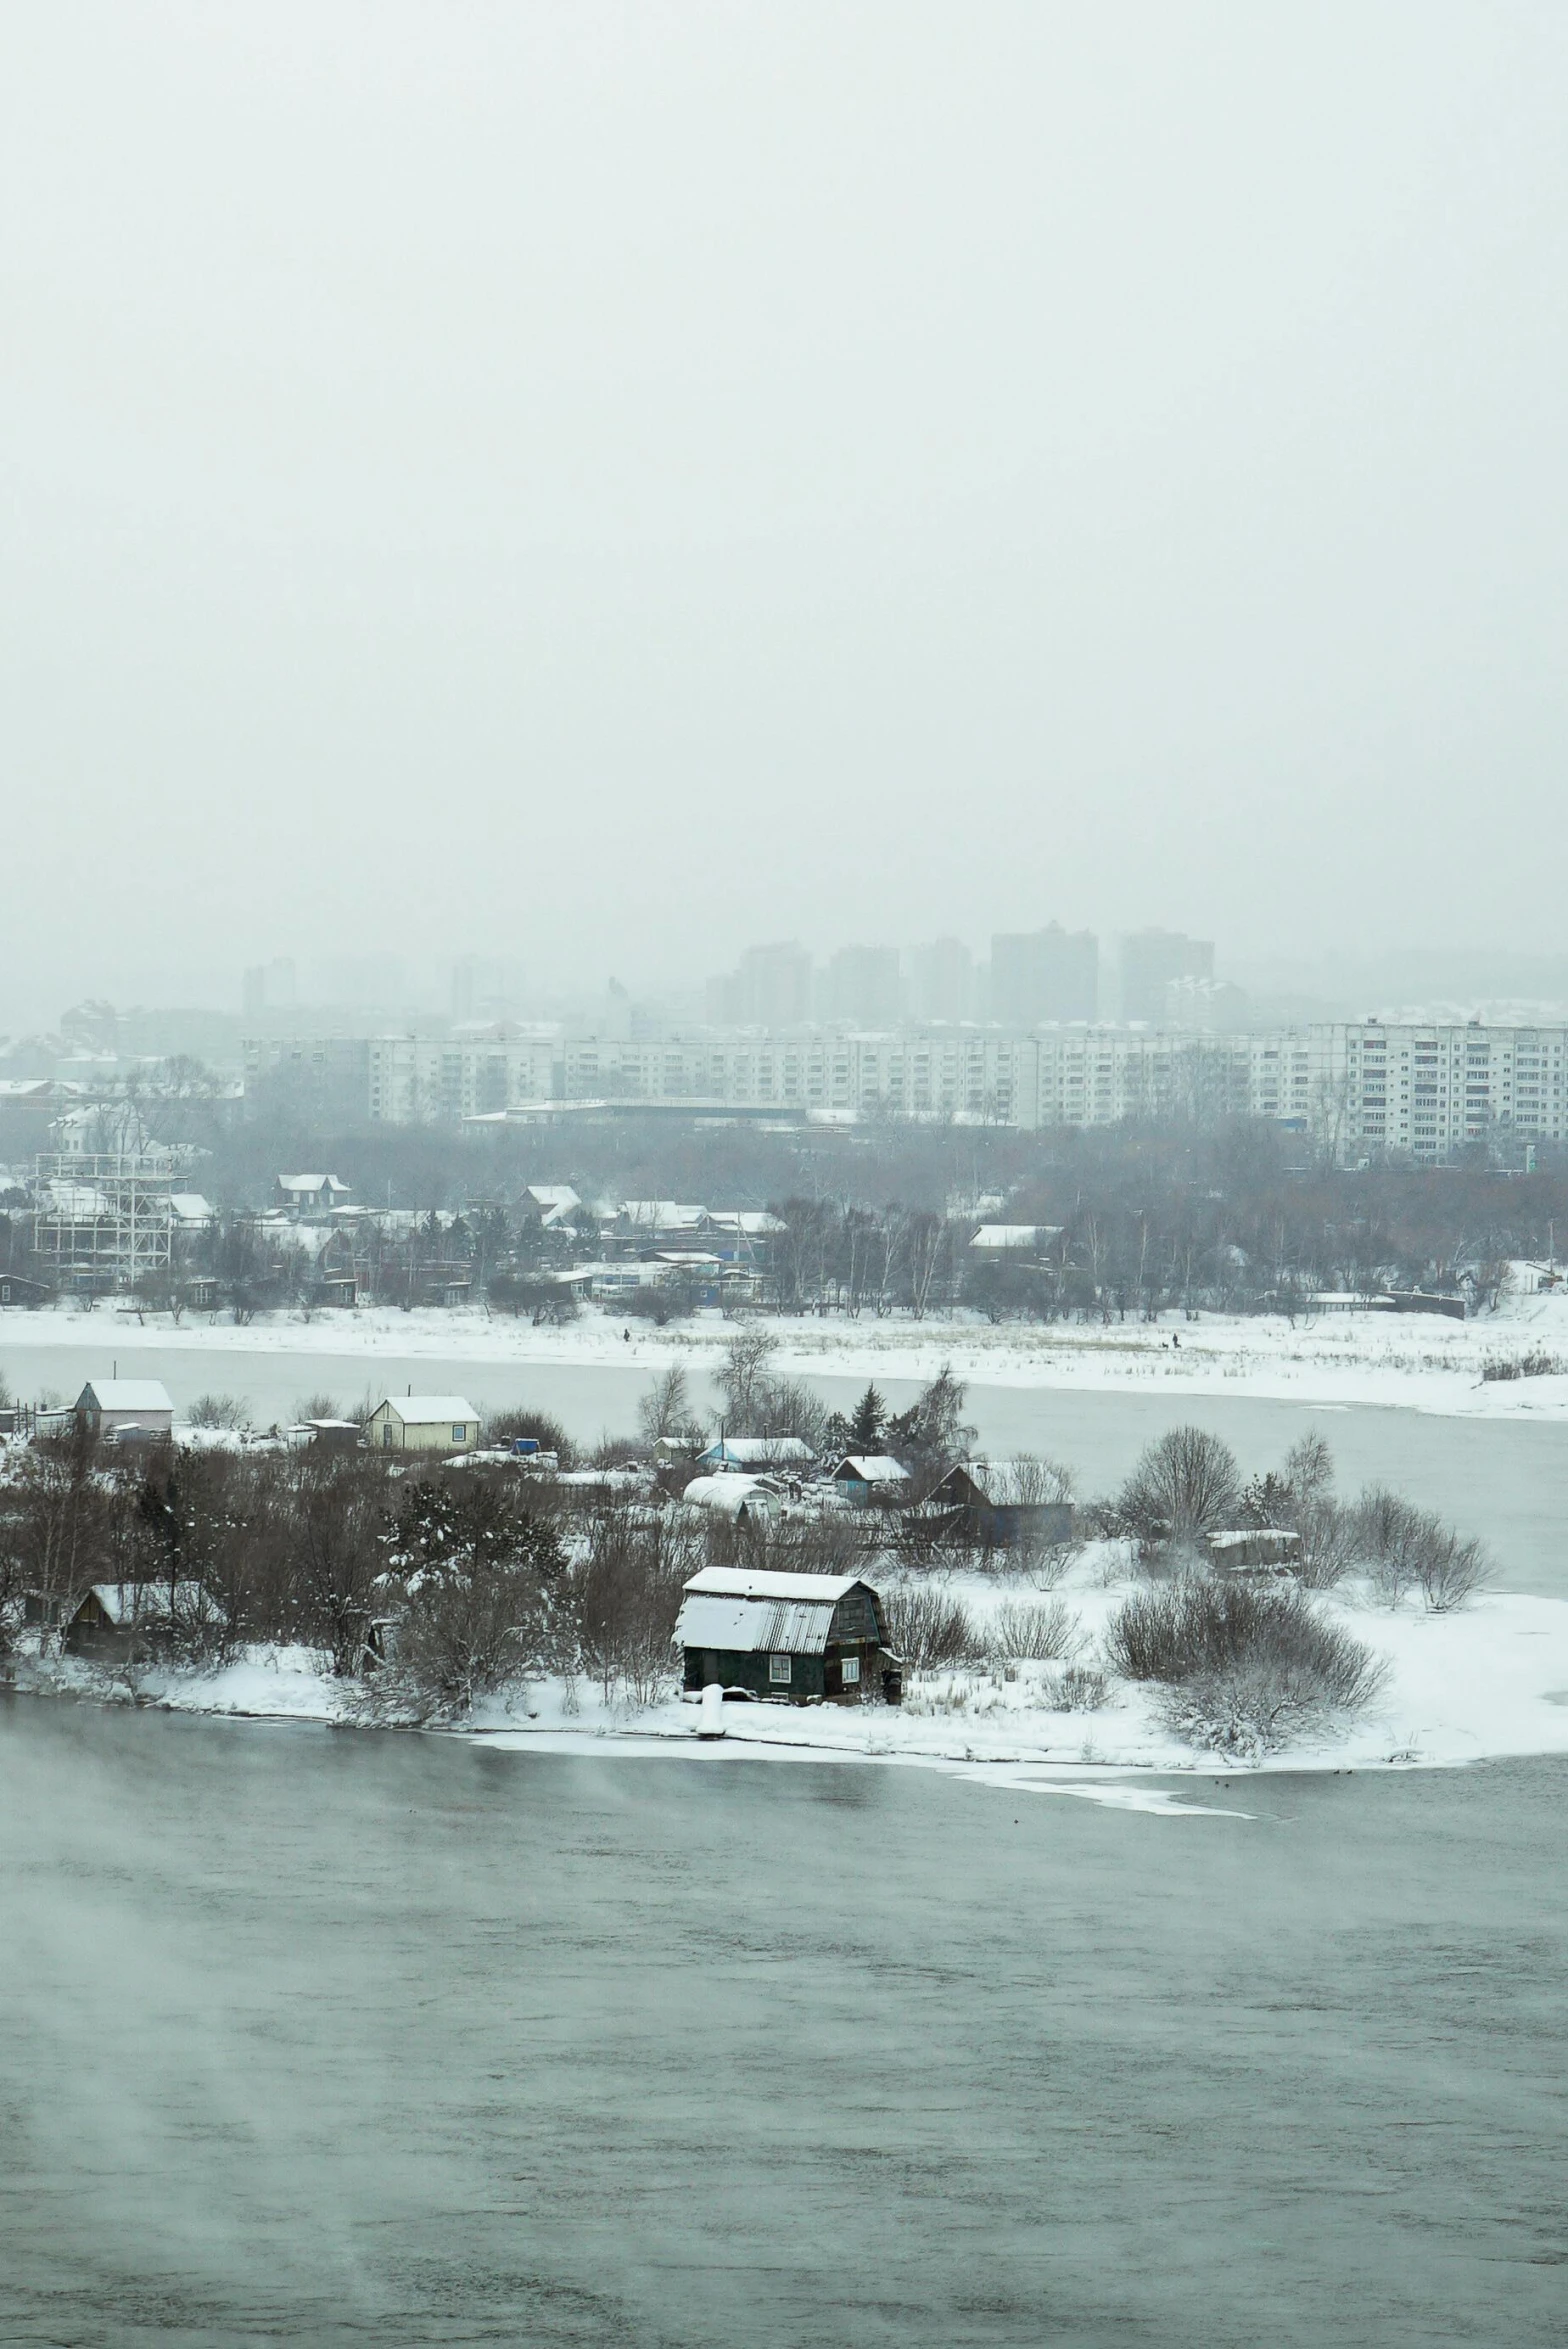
column 607, row 483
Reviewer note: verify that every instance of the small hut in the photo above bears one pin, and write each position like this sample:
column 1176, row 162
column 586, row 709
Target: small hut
column 864, row 1478
column 124, row 1407
column 423, row 1423
column 140, row 1619
column 997, row 1506
column 790, row 1638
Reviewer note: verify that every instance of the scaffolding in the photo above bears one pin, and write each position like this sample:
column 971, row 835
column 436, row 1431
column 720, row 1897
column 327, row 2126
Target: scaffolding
column 105, row 1221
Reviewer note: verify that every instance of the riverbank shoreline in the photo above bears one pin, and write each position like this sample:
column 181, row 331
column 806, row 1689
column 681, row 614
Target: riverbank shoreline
column 1417, row 1363
column 1487, row 1683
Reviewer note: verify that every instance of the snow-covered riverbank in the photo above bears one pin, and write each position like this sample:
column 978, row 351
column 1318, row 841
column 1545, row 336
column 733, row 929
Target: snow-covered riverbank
column 1410, row 1361
column 1483, row 1683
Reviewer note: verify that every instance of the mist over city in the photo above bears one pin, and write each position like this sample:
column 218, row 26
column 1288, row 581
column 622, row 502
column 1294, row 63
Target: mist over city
column 783, row 1174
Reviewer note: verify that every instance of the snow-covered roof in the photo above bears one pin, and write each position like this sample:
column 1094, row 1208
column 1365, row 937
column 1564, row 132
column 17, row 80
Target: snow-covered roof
column 1014, row 1235
column 555, row 1195
column 306, row 1183
column 738, row 1583
column 779, row 1614
column 729, row 1495
column 871, row 1468
column 758, row 1451
column 752, row 1222
column 662, row 1214
column 430, row 1410
column 125, row 1394
column 997, row 1481
column 149, row 1602
column 190, row 1207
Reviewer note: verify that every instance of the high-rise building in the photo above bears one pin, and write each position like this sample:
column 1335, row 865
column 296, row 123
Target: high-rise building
column 1150, row 960
column 941, row 981
column 771, row 989
column 486, row 987
column 1049, row 974
column 864, row 986
column 269, row 986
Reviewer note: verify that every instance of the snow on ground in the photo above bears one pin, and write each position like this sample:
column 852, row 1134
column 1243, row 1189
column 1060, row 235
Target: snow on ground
column 1417, row 1361
column 1487, row 1682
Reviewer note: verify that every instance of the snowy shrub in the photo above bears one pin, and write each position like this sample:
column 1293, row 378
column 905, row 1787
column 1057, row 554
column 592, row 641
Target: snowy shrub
column 1537, row 1363
column 218, row 1411
column 1082, row 1688
column 1403, row 1548
column 485, row 1585
column 1248, row 1709
column 1248, row 1665
column 503, row 1428
column 1033, row 1631
column 626, row 1594
column 928, row 1629
column 1184, row 1486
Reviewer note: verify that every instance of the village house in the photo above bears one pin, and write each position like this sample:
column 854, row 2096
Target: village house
column 787, row 1638
column 119, row 1406
column 133, row 1621
column 752, row 1452
column 423, row 1423
column 993, row 1504
column 864, row 1478
column 311, row 1194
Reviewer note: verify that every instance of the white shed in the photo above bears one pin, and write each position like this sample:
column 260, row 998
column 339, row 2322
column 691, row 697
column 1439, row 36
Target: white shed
column 105, row 1405
column 424, row 1423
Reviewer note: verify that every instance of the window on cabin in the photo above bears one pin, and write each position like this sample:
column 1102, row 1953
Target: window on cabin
column 779, row 1669
column 460, row 1431
column 851, row 1671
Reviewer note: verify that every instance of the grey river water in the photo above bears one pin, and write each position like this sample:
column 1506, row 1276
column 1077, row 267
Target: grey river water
column 1504, row 1479
column 315, row 2037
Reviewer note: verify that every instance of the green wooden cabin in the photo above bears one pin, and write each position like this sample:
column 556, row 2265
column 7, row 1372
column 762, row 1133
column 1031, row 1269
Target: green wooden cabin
column 787, row 1638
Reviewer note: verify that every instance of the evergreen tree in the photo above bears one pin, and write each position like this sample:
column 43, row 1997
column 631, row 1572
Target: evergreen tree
column 867, row 1421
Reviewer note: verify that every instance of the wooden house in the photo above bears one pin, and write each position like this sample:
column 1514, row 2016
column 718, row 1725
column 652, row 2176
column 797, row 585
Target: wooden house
column 992, row 1504
column 138, row 1619
column 756, row 1454
column 119, row 1406
column 864, row 1478
column 423, row 1423
column 787, row 1638
column 1254, row 1549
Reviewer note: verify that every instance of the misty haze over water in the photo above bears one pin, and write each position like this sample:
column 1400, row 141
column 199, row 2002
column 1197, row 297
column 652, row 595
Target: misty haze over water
column 324, row 2035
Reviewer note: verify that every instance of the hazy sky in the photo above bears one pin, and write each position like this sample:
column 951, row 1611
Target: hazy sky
column 604, row 483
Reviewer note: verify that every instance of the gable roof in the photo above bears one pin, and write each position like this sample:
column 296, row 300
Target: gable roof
column 1014, row 1235
column 429, row 1410
column 736, row 1582
column 126, row 1394
column 751, row 1614
column 871, row 1468
column 758, row 1451
column 149, row 1602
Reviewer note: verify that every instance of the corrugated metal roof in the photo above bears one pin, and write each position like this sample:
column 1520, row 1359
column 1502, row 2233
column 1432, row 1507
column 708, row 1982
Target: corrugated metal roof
column 755, row 1626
